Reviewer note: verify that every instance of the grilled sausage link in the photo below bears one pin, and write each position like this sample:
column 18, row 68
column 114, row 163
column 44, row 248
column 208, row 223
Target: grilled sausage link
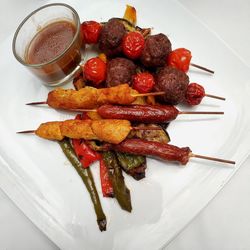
column 161, row 150
column 139, row 113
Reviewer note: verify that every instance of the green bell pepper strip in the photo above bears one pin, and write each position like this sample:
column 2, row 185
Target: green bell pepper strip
column 121, row 192
column 87, row 179
column 128, row 161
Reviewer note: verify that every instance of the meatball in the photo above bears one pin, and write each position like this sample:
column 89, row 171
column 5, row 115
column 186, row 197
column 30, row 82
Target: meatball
column 111, row 36
column 120, row 70
column 174, row 83
column 156, row 50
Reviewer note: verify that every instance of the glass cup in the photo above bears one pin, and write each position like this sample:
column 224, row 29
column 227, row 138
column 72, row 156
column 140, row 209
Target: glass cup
column 63, row 65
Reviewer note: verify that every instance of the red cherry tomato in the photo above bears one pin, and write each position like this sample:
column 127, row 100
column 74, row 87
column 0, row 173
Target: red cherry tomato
column 95, row 70
column 133, row 44
column 194, row 94
column 143, row 82
column 180, row 59
column 91, row 31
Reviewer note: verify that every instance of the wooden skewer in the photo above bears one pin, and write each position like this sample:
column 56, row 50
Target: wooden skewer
column 202, row 68
column 26, row 132
column 215, row 97
column 200, row 113
column 138, row 95
column 134, row 128
column 146, row 128
column 211, row 158
column 180, row 112
column 162, row 93
column 36, row 103
column 148, row 94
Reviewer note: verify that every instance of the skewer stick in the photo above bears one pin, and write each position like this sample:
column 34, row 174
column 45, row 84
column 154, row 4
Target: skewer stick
column 134, row 128
column 180, row 112
column 200, row 113
column 26, row 132
column 146, row 128
column 138, row 95
column 36, row 103
column 202, row 68
column 211, row 158
column 162, row 93
column 148, row 94
column 215, row 97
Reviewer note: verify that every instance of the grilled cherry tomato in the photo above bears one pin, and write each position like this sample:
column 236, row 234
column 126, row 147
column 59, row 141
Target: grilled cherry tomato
column 180, row 59
column 194, row 94
column 91, row 31
column 133, row 44
column 143, row 82
column 95, row 70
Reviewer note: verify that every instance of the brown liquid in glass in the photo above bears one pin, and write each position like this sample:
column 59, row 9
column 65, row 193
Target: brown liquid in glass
column 50, row 43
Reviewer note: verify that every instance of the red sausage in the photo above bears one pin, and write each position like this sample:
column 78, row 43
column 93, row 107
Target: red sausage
column 164, row 151
column 139, row 113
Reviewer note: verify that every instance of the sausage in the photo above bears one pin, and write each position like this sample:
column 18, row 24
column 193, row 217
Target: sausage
column 111, row 36
column 155, row 51
column 139, row 113
column 120, row 70
column 161, row 150
column 174, row 83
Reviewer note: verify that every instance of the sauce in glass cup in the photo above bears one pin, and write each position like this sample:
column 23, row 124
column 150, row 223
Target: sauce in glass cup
column 48, row 42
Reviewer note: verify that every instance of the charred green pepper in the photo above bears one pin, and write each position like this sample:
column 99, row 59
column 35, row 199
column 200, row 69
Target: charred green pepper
column 128, row 161
column 121, row 192
column 87, row 179
column 134, row 165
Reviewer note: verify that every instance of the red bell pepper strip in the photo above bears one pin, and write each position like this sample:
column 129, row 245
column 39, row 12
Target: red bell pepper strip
column 85, row 154
column 107, row 188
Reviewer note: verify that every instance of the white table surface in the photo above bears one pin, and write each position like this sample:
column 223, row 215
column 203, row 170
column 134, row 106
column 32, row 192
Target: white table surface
column 225, row 223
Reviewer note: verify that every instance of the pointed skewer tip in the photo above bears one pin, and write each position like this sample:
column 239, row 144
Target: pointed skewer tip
column 36, row 103
column 26, row 132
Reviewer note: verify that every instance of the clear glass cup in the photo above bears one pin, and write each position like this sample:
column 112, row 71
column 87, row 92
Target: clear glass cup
column 63, row 66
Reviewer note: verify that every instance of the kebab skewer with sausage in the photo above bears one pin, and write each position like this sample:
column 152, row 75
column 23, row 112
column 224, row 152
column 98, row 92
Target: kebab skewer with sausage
column 115, row 132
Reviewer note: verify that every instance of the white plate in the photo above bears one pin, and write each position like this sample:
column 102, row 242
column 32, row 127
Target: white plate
column 36, row 175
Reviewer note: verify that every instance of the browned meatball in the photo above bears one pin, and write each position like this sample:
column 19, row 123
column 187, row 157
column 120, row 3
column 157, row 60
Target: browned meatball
column 111, row 37
column 174, row 83
column 120, row 70
column 156, row 50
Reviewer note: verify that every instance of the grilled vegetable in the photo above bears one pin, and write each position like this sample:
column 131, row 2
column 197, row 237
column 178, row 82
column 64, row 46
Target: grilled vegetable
column 134, row 165
column 138, row 173
column 151, row 135
column 87, row 179
column 107, row 188
column 128, row 161
column 121, row 192
column 130, row 14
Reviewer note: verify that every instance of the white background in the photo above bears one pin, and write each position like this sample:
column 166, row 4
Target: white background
column 225, row 222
